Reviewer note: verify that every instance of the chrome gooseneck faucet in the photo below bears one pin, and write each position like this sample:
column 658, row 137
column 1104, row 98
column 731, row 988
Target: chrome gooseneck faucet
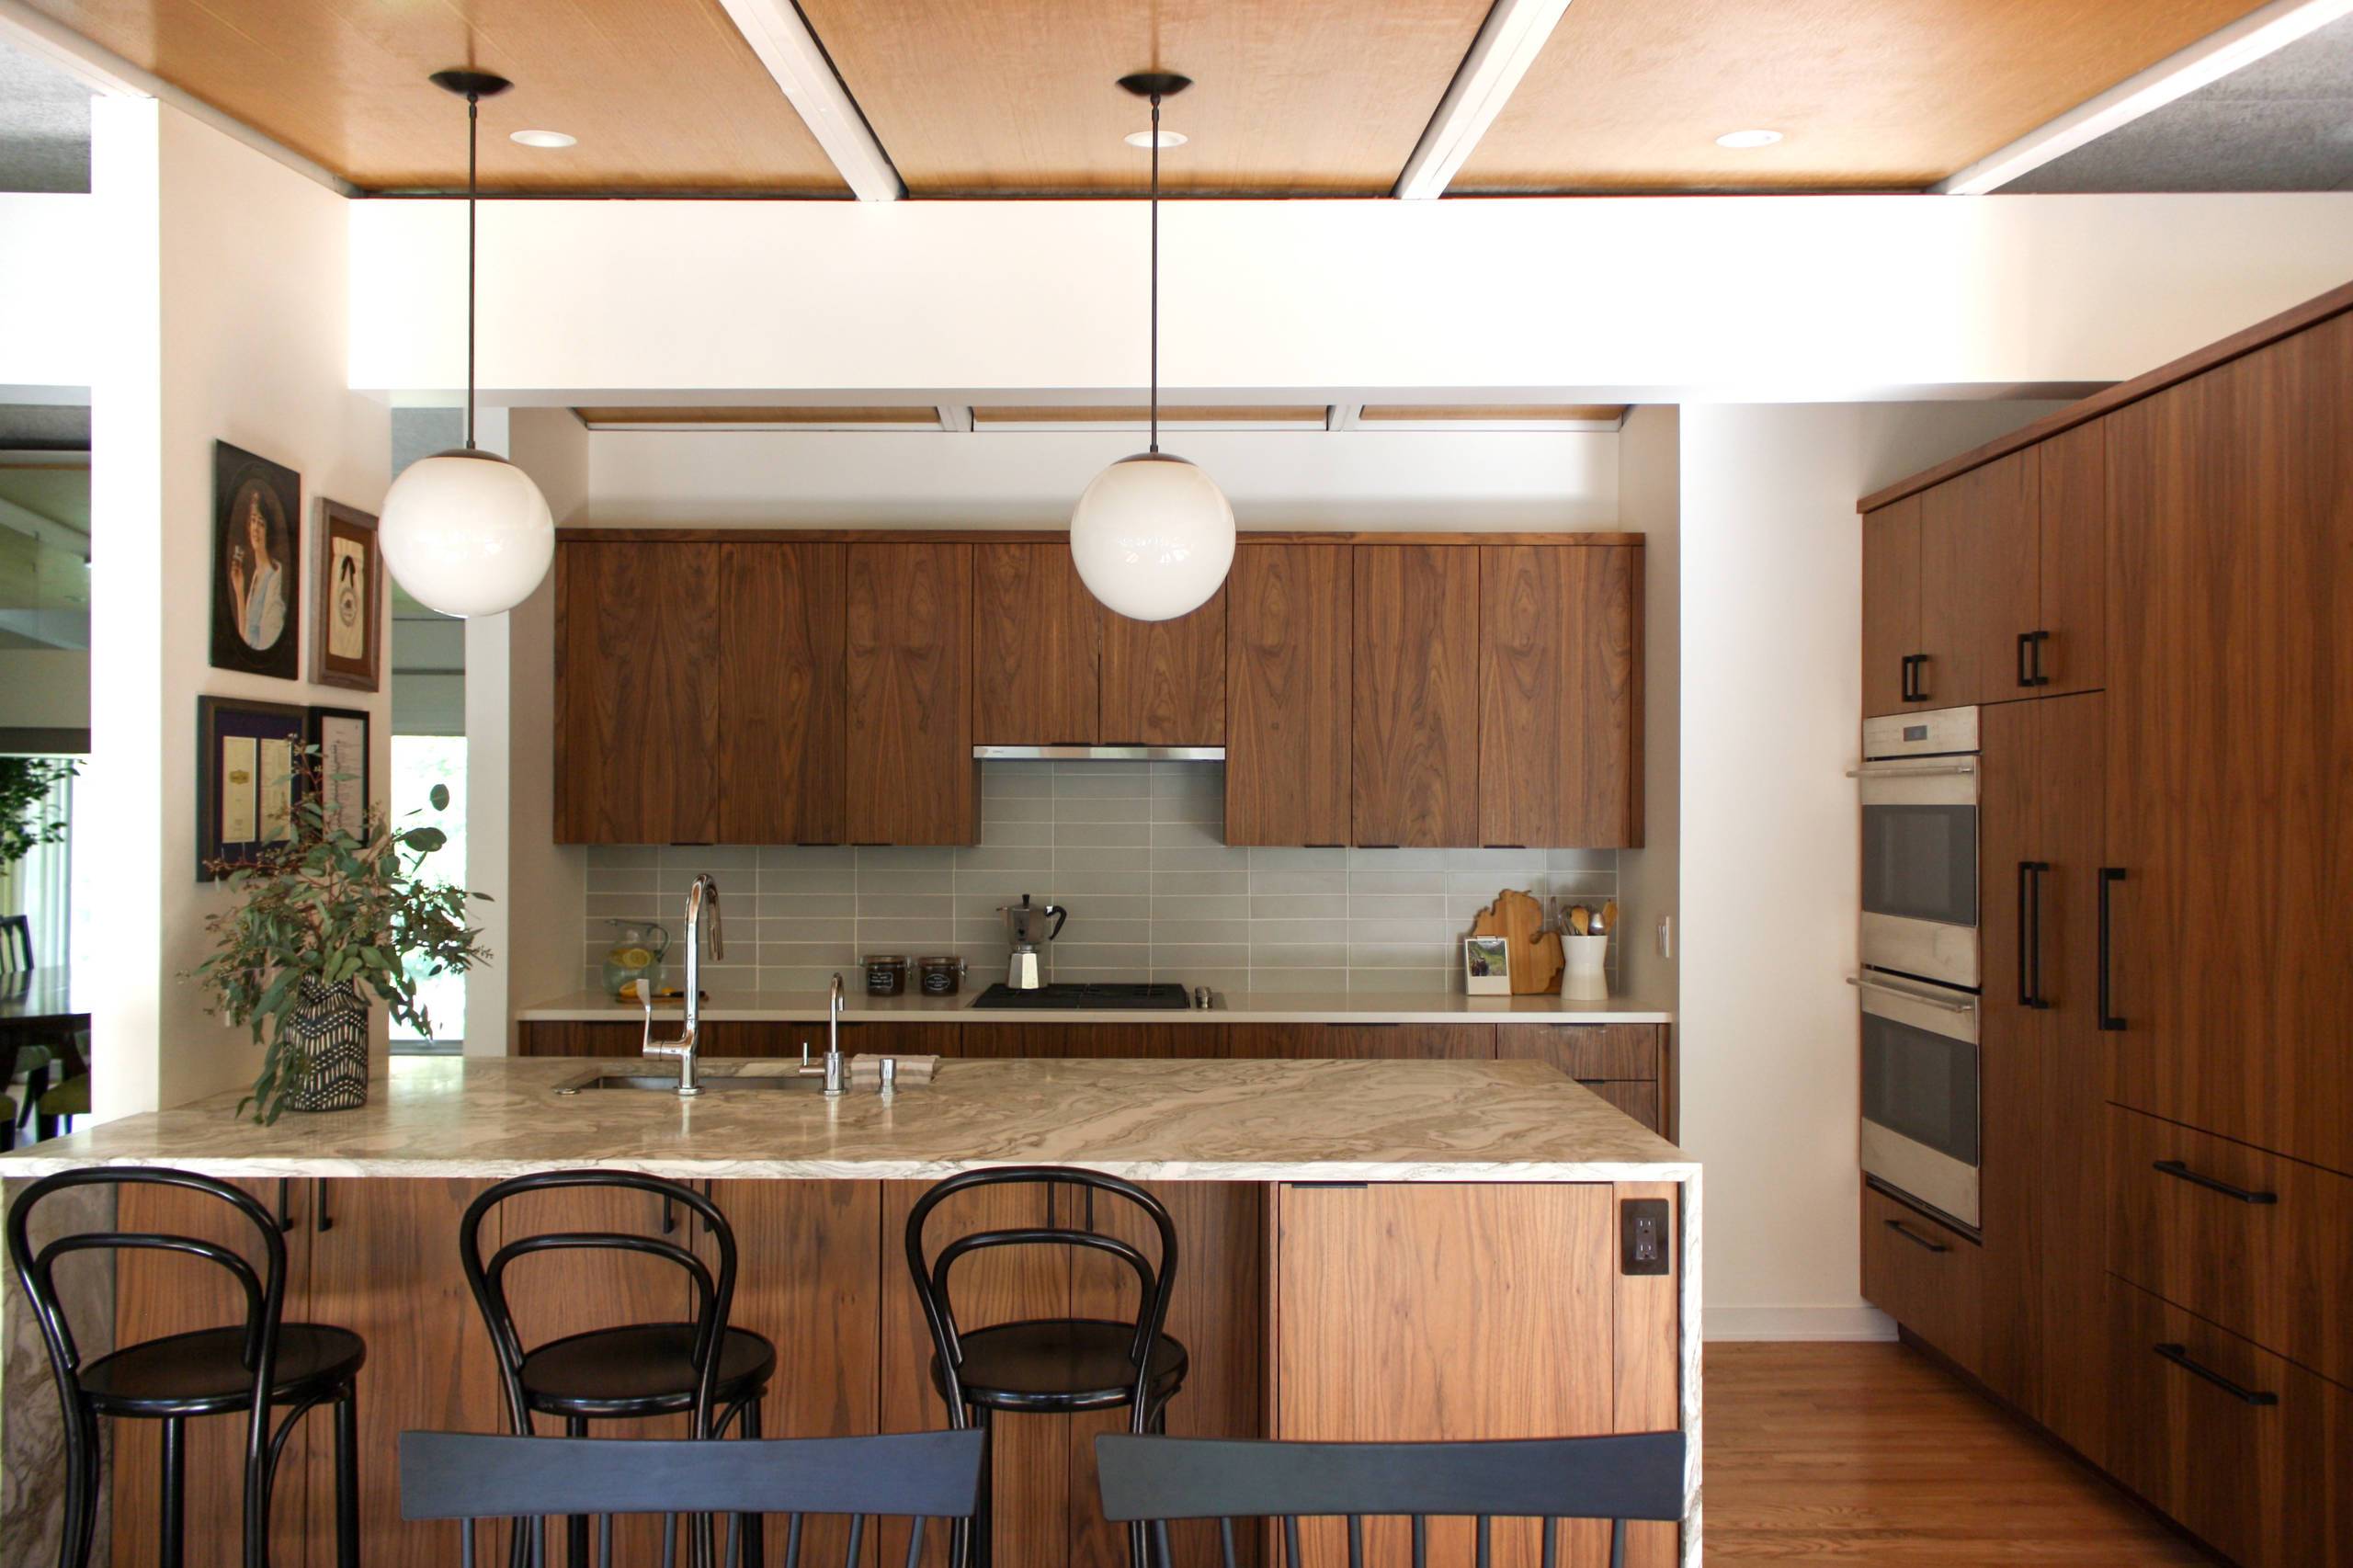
column 703, row 895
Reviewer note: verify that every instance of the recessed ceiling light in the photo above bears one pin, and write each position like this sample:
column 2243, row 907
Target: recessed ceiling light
column 1145, row 137
column 544, row 139
column 1744, row 139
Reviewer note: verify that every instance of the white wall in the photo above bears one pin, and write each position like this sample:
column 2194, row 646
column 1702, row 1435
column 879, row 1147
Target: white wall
column 225, row 320
column 48, row 290
column 1771, row 693
column 1357, row 478
column 1659, row 299
column 1650, row 503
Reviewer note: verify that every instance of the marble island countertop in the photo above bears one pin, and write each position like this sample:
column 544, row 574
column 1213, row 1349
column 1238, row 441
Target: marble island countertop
column 1159, row 1119
column 1232, row 1008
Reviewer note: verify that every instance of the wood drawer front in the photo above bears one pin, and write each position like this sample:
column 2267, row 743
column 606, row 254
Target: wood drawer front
column 1587, row 1052
column 2280, row 1272
column 2261, row 1482
column 1412, row 1042
column 1923, row 1276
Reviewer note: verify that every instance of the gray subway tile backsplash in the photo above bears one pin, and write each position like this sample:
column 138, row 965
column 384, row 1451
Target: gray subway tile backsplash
column 1137, row 852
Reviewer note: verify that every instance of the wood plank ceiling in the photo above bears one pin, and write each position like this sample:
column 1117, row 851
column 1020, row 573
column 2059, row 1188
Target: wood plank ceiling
column 1312, row 98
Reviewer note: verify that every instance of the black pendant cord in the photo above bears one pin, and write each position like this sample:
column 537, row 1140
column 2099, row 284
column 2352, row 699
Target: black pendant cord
column 1155, row 274
column 474, row 143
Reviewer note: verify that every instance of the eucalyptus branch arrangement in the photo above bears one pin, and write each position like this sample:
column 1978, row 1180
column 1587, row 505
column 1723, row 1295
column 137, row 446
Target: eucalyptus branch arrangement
column 323, row 909
column 24, row 783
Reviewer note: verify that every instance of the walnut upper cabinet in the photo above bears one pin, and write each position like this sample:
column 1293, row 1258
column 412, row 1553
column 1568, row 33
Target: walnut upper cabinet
column 1164, row 681
column 1036, row 646
column 1290, row 647
column 1989, row 586
column 784, row 700
column 912, row 777
column 1560, row 696
column 1416, row 735
column 637, row 696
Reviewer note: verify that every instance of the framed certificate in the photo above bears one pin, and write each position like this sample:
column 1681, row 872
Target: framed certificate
column 248, row 780
column 341, row 737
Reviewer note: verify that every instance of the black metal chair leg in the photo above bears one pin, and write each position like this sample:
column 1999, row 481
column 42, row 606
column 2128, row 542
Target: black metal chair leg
column 347, row 1479
column 171, row 1513
column 984, row 1514
column 81, row 1498
column 754, row 1536
column 576, row 1528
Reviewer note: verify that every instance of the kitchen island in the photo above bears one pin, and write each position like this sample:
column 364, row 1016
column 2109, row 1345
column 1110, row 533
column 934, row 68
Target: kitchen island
column 1372, row 1248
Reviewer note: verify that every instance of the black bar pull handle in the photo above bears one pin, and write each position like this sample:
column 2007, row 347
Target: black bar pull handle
column 2180, row 1171
column 2179, row 1356
column 1915, row 1238
column 285, row 1203
column 320, row 1222
column 2108, row 877
column 2030, row 933
column 2035, row 640
column 2026, row 647
column 1919, row 685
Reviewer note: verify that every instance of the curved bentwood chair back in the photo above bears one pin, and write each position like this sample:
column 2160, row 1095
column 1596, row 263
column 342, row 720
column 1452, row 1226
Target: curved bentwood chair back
column 919, row 1476
column 714, row 1294
column 1152, row 1481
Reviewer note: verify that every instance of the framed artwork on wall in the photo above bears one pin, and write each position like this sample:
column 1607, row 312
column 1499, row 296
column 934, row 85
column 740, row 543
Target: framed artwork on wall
column 248, row 777
column 348, row 650
column 256, row 564
column 341, row 736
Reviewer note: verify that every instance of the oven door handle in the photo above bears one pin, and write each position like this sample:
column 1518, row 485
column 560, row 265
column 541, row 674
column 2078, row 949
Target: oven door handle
column 1861, row 984
column 1912, row 770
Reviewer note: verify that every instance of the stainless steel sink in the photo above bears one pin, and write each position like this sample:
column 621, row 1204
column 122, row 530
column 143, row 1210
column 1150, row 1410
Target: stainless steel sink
column 667, row 1082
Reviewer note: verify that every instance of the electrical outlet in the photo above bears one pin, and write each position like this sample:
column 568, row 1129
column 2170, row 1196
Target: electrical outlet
column 1644, row 1235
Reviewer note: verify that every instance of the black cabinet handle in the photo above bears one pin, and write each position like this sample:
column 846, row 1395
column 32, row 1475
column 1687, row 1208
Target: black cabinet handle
column 2182, row 1172
column 2108, row 877
column 285, row 1203
column 2030, row 933
column 320, row 1222
column 1915, row 1238
column 2179, row 1356
column 1913, row 665
column 2026, row 644
column 2035, row 640
column 669, row 1216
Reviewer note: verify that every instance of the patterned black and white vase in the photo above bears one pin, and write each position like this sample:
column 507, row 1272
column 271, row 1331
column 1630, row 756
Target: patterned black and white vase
column 331, row 1027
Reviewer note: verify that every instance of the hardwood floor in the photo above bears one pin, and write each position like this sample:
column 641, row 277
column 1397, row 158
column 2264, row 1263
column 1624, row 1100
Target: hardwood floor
column 1873, row 1454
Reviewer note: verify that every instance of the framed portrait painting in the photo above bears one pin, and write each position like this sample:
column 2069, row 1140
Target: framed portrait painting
column 256, row 564
column 347, row 649
column 248, row 778
column 341, row 737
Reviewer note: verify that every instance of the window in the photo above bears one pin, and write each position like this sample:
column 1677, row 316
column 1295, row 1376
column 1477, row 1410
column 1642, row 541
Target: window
column 420, row 762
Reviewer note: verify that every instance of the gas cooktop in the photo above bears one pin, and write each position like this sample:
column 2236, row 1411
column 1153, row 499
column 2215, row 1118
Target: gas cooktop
column 1166, row 994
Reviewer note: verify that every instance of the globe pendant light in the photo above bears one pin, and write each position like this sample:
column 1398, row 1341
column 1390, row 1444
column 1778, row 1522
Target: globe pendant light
column 465, row 531
column 1152, row 536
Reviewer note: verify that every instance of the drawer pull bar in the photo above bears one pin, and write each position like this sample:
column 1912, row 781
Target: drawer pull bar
column 1915, row 1238
column 2179, row 1356
column 2182, row 1172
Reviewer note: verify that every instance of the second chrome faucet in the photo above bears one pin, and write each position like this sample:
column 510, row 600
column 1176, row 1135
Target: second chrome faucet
column 701, row 898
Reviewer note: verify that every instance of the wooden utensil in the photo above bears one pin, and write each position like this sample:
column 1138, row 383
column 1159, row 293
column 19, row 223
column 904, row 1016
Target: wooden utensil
column 1535, row 963
column 1580, row 920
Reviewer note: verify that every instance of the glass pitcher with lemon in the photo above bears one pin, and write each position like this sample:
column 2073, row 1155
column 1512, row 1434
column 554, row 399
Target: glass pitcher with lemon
column 635, row 955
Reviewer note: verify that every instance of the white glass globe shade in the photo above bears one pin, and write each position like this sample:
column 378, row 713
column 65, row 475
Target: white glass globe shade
column 467, row 533
column 1153, row 537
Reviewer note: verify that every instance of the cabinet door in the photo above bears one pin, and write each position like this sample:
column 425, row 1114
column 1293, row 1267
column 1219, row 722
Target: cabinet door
column 1622, row 1063
column 1978, row 573
column 1890, row 603
column 2229, row 652
column 1923, row 1276
column 1037, row 638
column 1560, row 696
column 2010, row 1042
column 1358, row 1042
column 783, row 748
column 637, row 677
column 158, row 1293
column 386, row 1268
column 1289, row 646
column 1415, row 735
column 1164, row 681
column 2074, row 590
column 912, row 777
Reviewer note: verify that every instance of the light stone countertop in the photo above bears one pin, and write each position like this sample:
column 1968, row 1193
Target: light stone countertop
column 1232, row 1008
column 1163, row 1119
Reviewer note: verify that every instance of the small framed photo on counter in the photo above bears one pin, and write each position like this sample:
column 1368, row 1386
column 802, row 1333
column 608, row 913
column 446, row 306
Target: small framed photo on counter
column 248, row 777
column 1486, row 966
column 341, row 736
column 349, row 650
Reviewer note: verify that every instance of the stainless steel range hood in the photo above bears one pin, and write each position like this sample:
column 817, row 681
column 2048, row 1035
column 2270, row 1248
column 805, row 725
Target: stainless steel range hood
column 1101, row 754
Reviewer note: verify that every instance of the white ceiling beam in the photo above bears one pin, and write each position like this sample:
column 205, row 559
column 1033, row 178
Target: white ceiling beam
column 2260, row 32
column 956, row 417
column 1343, row 415
column 780, row 36
column 1507, row 44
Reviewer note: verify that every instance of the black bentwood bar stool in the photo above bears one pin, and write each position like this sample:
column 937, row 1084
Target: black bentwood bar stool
column 703, row 1368
column 1151, row 1480
column 917, row 1476
column 1055, row 1365
column 255, row 1367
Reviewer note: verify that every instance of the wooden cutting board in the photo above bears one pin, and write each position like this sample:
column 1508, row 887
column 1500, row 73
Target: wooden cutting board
column 1535, row 963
